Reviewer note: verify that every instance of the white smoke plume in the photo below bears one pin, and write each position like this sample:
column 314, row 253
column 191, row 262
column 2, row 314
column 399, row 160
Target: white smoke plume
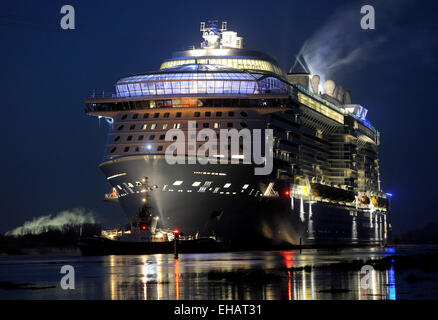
column 341, row 44
column 41, row 224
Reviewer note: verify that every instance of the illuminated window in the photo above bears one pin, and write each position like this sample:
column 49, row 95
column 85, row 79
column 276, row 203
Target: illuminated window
column 245, row 186
column 227, row 185
column 178, row 183
column 217, row 125
column 164, row 126
column 144, row 127
column 153, row 126
column 177, row 125
column 196, row 184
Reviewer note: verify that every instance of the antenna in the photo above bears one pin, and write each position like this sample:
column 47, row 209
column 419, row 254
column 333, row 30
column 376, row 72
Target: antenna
column 202, row 26
column 298, row 60
column 224, row 26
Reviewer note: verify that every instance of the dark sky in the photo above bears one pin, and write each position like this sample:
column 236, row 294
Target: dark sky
column 51, row 148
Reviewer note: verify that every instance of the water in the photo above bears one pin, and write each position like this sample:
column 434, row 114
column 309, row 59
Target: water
column 241, row 275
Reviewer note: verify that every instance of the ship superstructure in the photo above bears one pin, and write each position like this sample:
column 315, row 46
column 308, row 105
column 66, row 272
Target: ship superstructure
column 325, row 184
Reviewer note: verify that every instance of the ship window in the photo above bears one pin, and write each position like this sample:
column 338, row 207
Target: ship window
column 208, row 114
column 178, row 183
column 126, row 149
column 160, row 148
column 197, row 114
column 120, row 127
column 231, row 113
column 161, row 137
column 205, row 125
column 153, row 126
column 124, row 116
column 156, row 115
column 227, row 185
column 229, row 124
column 196, row 184
column 152, row 137
column 135, row 116
column 113, row 149
column 129, row 138
column 140, row 137
column 218, row 114
column 144, row 127
column 217, row 125
column 132, row 127
column 178, row 114
column 243, row 114
column 137, row 149
column 166, row 115
column 146, row 115
column 164, row 126
column 243, row 125
column 116, row 138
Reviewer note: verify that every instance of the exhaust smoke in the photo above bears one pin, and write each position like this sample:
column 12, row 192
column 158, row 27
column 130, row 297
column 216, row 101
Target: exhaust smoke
column 76, row 216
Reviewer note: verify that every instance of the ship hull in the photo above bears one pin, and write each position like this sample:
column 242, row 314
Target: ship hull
column 227, row 201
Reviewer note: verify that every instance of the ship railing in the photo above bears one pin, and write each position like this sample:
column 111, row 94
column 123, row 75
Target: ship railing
column 102, row 94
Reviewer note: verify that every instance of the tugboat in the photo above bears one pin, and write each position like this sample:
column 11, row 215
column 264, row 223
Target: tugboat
column 144, row 237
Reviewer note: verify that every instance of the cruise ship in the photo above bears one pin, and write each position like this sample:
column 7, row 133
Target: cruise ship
column 324, row 187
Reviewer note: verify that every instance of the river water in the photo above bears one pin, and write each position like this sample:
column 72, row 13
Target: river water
column 238, row 275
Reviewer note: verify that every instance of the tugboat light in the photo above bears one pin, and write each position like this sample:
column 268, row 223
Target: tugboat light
column 176, row 231
column 143, row 227
column 287, row 193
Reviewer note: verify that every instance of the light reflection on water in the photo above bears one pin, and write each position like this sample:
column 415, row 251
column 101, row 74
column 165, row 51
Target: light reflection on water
column 242, row 275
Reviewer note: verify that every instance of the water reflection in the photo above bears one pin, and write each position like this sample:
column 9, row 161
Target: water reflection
column 251, row 275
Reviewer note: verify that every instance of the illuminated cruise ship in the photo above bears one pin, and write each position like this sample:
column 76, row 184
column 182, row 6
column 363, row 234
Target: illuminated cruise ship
column 324, row 187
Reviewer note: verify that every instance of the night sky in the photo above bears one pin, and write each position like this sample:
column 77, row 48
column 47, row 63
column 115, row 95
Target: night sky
column 51, row 148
